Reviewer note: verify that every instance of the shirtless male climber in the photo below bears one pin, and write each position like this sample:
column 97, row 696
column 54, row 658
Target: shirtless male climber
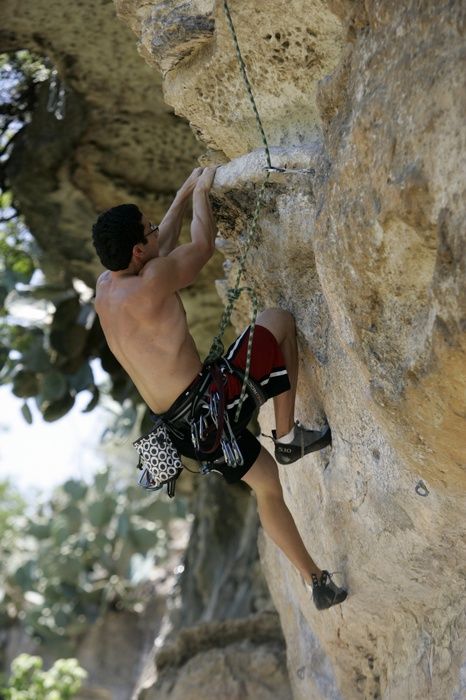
column 145, row 325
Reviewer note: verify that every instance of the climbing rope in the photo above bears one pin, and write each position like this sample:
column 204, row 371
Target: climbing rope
column 269, row 167
column 234, row 293
column 247, row 83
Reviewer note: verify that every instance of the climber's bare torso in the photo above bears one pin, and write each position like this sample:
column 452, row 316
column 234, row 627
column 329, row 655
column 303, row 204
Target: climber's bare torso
column 140, row 310
column 149, row 338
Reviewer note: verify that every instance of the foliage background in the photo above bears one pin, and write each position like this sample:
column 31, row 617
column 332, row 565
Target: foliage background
column 76, row 556
column 68, row 559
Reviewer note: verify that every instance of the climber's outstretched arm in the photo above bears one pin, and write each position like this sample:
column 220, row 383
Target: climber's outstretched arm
column 170, row 227
column 163, row 275
column 203, row 227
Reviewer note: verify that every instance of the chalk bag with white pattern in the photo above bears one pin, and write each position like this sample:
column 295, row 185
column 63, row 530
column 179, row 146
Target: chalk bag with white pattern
column 159, row 460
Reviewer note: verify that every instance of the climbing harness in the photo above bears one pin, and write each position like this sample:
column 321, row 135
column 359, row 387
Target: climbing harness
column 199, row 416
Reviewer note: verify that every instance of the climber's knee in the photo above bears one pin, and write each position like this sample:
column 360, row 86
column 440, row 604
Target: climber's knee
column 263, row 477
column 279, row 322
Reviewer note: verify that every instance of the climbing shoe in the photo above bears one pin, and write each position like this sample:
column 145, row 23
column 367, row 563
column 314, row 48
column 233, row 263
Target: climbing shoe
column 325, row 593
column 304, row 441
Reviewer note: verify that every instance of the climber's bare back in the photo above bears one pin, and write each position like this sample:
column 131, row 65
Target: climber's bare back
column 139, row 307
column 149, row 337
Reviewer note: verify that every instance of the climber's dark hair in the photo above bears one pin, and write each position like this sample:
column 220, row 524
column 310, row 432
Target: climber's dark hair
column 115, row 233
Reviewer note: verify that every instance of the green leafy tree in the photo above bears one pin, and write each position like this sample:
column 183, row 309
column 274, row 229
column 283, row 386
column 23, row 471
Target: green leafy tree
column 11, row 505
column 29, row 682
column 80, row 555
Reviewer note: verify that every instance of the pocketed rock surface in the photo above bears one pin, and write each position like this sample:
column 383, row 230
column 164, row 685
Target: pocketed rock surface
column 368, row 253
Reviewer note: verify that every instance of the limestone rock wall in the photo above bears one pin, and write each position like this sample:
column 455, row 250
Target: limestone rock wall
column 236, row 659
column 369, row 255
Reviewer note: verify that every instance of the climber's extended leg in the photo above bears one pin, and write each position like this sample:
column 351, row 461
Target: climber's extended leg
column 279, row 525
column 292, row 441
column 275, row 517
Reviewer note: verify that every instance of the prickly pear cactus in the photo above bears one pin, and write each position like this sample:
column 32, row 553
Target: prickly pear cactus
column 78, row 555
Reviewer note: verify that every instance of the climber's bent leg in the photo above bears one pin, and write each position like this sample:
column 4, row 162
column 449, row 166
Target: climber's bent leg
column 281, row 324
column 275, row 517
column 298, row 441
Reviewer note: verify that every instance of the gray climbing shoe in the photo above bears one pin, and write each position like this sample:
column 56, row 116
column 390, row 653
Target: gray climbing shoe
column 304, row 442
column 325, row 593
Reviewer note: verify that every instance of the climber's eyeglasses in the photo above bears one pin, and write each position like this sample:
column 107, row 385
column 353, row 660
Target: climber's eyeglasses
column 152, row 229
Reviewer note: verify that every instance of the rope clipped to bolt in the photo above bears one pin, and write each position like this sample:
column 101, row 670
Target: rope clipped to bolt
column 233, row 294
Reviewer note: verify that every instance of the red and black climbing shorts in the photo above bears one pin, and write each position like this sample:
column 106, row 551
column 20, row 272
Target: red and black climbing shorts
column 267, row 369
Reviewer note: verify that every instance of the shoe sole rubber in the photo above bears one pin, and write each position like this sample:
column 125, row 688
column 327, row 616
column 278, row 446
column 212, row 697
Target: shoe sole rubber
column 319, row 444
column 339, row 598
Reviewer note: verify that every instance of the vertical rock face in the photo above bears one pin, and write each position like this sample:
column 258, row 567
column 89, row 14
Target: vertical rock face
column 368, row 253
